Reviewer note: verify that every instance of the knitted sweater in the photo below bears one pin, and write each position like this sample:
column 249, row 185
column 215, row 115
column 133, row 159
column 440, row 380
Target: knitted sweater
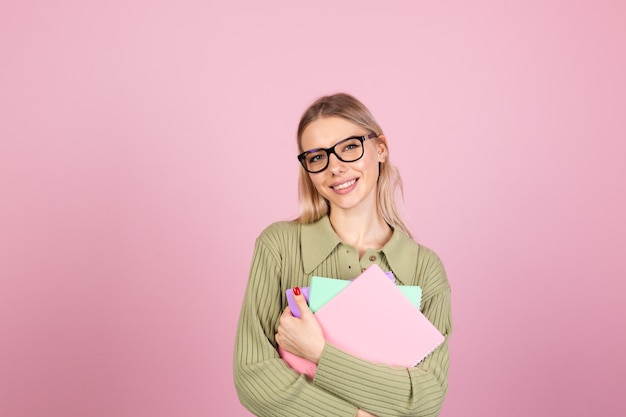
column 288, row 254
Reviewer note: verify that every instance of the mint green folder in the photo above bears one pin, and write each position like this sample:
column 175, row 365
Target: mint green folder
column 324, row 289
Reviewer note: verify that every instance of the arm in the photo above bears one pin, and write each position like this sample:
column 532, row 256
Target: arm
column 396, row 391
column 265, row 384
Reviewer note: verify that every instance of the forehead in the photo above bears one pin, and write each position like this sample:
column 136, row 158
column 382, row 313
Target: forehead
column 326, row 131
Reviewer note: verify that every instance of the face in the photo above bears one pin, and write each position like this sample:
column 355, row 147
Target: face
column 346, row 185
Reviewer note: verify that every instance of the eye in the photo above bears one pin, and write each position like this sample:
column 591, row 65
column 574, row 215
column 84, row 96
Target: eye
column 350, row 145
column 315, row 158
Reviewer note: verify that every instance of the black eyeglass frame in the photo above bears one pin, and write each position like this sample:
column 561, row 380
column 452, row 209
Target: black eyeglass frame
column 331, row 150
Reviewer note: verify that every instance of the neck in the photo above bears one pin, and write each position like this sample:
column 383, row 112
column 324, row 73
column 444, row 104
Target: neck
column 363, row 229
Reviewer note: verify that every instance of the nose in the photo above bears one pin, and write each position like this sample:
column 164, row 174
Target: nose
column 335, row 165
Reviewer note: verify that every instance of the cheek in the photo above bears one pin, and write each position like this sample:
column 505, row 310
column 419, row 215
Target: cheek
column 317, row 181
column 368, row 164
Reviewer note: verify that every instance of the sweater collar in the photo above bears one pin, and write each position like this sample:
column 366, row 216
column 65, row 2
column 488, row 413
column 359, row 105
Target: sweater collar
column 319, row 239
column 401, row 253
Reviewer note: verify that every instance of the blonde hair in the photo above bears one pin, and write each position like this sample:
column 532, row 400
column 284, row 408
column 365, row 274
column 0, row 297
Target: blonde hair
column 312, row 205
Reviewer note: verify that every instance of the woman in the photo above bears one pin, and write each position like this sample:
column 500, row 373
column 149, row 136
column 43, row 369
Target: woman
column 348, row 221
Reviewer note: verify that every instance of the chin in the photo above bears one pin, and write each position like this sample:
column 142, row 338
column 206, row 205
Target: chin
column 345, row 205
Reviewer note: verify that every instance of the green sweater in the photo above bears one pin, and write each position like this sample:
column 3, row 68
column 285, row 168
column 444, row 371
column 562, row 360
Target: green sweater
column 288, row 254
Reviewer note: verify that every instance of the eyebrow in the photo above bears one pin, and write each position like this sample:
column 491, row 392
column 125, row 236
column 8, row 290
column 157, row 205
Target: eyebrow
column 367, row 135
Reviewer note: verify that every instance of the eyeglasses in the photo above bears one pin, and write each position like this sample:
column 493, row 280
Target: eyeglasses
column 346, row 150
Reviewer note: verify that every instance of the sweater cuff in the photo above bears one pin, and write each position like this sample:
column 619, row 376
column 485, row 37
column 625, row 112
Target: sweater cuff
column 333, row 362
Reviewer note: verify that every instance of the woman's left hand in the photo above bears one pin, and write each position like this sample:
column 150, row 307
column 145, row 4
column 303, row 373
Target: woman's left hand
column 301, row 336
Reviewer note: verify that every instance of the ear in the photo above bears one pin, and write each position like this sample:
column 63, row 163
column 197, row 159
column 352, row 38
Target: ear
column 381, row 148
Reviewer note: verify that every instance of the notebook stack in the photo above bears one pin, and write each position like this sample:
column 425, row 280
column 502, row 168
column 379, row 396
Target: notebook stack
column 369, row 317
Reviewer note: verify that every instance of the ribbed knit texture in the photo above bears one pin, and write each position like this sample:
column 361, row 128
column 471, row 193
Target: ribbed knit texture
column 286, row 255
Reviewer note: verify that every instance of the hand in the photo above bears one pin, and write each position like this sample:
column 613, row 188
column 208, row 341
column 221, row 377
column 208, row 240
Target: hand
column 363, row 413
column 301, row 336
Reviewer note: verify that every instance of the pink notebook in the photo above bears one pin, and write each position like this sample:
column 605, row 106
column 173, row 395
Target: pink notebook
column 372, row 319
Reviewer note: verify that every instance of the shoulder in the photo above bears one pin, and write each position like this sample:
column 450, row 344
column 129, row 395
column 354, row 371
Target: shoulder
column 404, row 247
column 431, row 270
column 280, row 232
column 427, row 256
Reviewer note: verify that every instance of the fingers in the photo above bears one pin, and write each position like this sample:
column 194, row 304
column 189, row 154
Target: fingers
column 301, row 302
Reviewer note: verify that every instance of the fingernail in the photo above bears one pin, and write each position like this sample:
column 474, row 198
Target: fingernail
column 296, row 291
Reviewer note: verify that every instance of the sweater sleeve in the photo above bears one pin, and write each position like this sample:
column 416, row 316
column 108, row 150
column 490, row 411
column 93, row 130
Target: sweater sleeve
column 386, row 390
column 265, row 384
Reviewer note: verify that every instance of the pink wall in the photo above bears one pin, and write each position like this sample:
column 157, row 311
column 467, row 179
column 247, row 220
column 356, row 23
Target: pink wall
column 131, row 190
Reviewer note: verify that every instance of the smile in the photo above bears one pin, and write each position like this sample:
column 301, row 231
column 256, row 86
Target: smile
column 344, row 185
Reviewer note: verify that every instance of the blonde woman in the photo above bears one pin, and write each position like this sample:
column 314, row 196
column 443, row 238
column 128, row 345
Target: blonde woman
column 348, row 221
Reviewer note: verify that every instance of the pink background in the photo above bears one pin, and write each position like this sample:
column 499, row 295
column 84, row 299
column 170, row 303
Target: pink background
column 144, row 145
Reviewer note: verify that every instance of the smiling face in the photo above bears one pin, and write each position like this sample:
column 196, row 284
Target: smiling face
column 345, row 185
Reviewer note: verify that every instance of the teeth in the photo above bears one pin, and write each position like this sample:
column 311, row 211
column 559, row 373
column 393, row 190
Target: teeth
column 344, row 185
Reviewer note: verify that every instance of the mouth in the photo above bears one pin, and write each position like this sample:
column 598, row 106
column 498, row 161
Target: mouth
column 344, row 185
